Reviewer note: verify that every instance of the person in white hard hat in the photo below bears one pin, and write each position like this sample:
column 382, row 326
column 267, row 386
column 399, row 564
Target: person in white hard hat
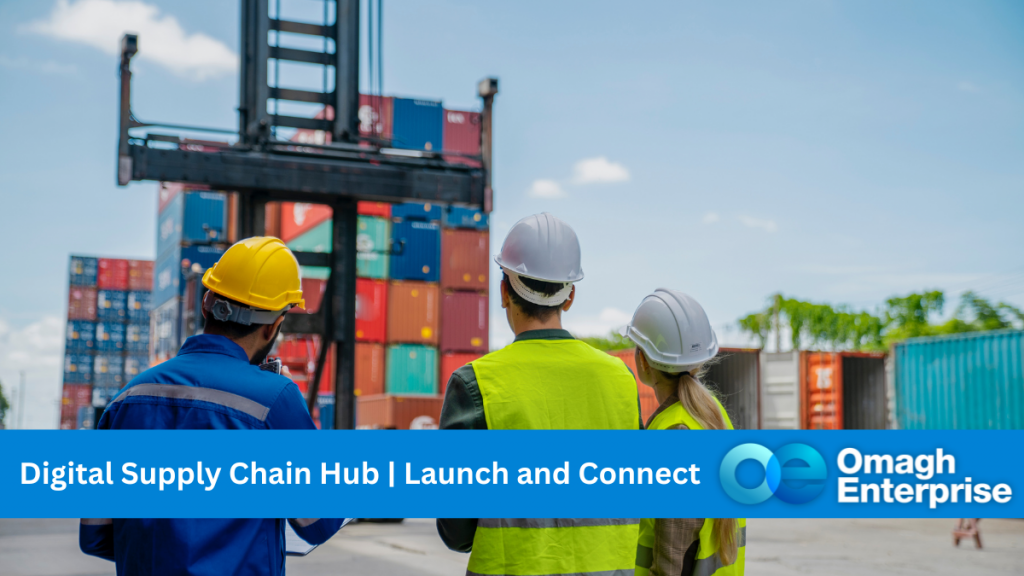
column 674, row 340
column 545, row 379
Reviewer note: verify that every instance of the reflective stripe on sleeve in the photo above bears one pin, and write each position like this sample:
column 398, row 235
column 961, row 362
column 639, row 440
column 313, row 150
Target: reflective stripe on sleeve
column 181, row 392
column 711, row 564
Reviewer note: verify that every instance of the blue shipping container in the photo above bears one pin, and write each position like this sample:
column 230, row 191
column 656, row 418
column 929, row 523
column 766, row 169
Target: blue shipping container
column 967, row 381
column 417, row 211
column 77, row 368
column 465, row 217
column 134, row 365
column 169, row 271
column 111, row 305
column 84, row 270
column 138, row 306
column 109, row 336
column 81, row 336
column 108, row 370
column 326, row 404
column 417, row 124
column 85, row 418
column 103, row 394
column 165, row 329
column 415, row 251
column 192, row 218
column 136, row 337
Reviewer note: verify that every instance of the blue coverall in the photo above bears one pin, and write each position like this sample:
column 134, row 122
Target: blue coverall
column 210, row 385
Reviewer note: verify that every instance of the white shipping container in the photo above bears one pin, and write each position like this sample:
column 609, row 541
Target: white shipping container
column 780, row 390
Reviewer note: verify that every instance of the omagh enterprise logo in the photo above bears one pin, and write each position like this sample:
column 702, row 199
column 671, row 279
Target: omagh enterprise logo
column 795, row 473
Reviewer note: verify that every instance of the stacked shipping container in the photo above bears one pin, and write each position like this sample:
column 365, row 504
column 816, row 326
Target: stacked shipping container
column 107, row 333
column 194, row 226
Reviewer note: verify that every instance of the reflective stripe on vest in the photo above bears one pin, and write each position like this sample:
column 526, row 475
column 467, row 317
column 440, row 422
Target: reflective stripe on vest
column 555, row 385
column 707, row 561
column 519, row 547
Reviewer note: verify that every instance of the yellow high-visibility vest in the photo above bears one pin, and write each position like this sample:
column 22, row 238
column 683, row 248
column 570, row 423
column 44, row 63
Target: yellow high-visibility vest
column 707, row 562
column 555, row 385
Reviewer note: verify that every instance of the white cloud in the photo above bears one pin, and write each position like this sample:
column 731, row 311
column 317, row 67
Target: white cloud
column 35, row 348
column 968, row 87
column 101, row 23
column 608, row 320
column 711, row 218
column 599, row 169
column 766, row 225
column 545, row 189
column 46, row 67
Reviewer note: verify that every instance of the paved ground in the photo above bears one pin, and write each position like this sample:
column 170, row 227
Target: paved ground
column 775, row 548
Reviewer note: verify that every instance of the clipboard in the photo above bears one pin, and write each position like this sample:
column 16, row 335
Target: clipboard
column 294, row 545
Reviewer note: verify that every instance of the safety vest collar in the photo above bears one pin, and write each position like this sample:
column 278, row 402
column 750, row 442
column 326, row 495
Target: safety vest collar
column 213, row 344
column 661, row 408
column 545, row 334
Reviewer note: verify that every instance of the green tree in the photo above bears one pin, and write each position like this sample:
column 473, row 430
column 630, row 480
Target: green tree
column 4, row 405
column 613, row 341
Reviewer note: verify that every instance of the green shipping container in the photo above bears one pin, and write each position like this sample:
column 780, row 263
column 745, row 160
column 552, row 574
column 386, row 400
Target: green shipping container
column 372, row 244
column 411, row 369
column 962, row 382
column 316, row 240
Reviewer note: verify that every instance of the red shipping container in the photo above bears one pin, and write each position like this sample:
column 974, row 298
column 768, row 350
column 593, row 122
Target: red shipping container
column 375, row 116
column 465, row 259
column 313, row 294
column 73, row 397
column 81, row 303
column 113, row 274
column 371, row 310
column 382, row 209
column 412, row 312
column 398, row 412
column 462, row 134
column 140, row 275
column 648, row 401
column 272, row 219
column 369, row 369
column 297, row 218
column 450, row 362
column 464, row 322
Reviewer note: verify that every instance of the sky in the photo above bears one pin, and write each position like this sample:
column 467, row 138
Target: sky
column 838, row 152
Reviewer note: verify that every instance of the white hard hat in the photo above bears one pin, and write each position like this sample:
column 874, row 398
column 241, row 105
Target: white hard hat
column 673, row 331
column 541, row 247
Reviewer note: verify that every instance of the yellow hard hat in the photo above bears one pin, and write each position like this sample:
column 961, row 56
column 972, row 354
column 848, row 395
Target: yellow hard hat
column 259, row 271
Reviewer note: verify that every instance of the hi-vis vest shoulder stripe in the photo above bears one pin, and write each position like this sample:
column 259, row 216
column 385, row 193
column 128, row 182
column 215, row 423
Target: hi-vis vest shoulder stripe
column 707, row 562
column 555, row 385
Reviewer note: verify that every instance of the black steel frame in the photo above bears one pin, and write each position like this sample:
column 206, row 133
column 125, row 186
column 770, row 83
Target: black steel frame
column 263, row 169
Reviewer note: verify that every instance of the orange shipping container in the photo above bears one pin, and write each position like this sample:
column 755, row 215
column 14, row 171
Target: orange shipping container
column 297, row 218
column 465, row 259
column 369, row 369
column 451, row 362
column 272, row 219
column 648, row 402
column 398, row 412
column 412, row 312
column 830, row 402
column 140, row 275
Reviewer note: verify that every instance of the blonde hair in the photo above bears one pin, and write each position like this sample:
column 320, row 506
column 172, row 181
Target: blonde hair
column 703, row 406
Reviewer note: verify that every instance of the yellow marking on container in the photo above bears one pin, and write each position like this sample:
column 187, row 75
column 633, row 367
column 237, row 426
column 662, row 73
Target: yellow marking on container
column 414, row 293
column 412, row 355
column 475, row 341
column 476, row 217
column 426, row 332
column 426, row 269
column 467, row 277
column 359, row 333
column 426, row 207
column 482, row 278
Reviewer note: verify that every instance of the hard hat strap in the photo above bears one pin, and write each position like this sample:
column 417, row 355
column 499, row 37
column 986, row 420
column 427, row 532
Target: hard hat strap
column 224, row 311
column 536, row 297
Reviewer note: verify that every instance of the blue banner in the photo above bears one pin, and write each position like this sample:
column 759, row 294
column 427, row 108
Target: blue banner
column 473, row 474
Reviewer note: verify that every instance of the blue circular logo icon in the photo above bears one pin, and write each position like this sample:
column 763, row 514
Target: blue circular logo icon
column 795, row 473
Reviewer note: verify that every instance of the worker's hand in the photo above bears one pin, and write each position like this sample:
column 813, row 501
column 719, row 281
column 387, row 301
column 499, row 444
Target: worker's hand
column 286, row 372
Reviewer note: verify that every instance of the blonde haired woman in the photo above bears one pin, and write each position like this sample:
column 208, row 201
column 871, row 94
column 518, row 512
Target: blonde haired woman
column 674, row 340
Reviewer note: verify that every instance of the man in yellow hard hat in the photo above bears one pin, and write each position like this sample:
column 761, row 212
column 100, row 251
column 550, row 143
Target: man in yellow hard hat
column 545, row 379
column 214, row 383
